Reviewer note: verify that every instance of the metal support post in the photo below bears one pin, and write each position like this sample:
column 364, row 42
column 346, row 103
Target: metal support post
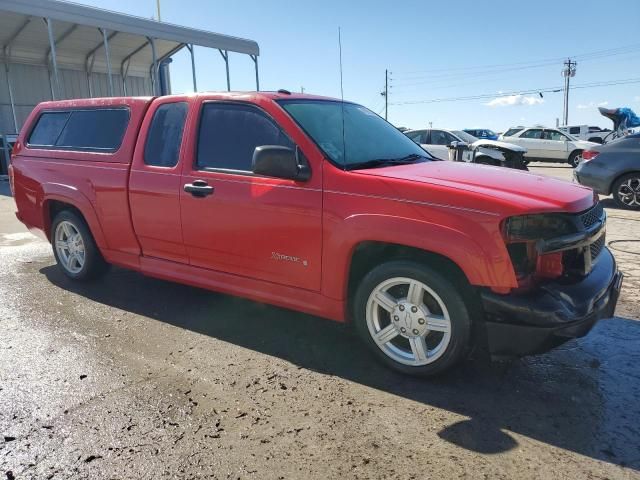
column 154, row 67
column 10, row 88
column 55, row 93
column 255, row 61
column 105, row 41
column 5, row 146
column 193, row 66
column 225, row 55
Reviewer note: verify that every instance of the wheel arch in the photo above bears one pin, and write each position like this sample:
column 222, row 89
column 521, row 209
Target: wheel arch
column 618, row 177
column 55, row 202
column 368, row 254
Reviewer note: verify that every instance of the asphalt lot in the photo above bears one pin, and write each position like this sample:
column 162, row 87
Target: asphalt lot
column 133, row 377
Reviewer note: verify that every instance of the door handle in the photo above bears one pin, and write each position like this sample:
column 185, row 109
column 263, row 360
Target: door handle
column 198, row 188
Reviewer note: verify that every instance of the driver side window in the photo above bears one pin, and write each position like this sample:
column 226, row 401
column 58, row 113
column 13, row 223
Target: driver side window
column 438, row 137
column 555, row 135
column 229, row 134
column 533, row 133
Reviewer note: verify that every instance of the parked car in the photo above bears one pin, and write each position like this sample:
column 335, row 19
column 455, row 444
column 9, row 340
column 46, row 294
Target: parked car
column 548, row 144
column 320, row 206
column 586, row 132
column 613, row 169
column 489, row 152
column 482, row 133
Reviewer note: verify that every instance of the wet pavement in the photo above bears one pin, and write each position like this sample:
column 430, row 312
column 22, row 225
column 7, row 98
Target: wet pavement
column 132, row 377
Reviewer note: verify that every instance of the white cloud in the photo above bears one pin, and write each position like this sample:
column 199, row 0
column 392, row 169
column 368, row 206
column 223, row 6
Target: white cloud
column 636, row 98
column 584, row 106
column 512, row 100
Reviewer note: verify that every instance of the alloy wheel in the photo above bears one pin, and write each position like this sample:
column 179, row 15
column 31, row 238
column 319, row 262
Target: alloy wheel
column 69, row 246
column 408, row 321
column 629, row 192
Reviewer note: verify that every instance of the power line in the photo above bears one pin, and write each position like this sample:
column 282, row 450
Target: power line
column 547, row 61
column 523, row 92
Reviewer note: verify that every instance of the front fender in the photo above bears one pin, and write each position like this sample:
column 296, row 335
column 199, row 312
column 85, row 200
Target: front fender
column 69, row 194
column 484, row 261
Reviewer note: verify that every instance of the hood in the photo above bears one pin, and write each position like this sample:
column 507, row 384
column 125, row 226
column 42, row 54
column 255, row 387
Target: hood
column 584, row 144
column 499, row 145
column 469, row 185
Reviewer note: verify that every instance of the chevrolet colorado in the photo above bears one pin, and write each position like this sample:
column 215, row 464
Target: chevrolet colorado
column 320, row 206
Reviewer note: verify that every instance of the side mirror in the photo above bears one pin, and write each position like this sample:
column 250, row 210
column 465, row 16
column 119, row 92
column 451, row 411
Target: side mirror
column 280, row 162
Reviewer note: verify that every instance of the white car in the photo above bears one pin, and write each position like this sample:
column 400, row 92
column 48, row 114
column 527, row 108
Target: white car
column 436, row 141
column 548, row 144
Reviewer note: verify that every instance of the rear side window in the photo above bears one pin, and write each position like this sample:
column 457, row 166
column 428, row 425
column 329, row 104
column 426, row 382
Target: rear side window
column 97, row 129
column 574, row 130
column 48, row 128
column 162, row 148
column 230, row 133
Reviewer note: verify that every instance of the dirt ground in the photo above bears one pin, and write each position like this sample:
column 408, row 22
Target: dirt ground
column 132, row 377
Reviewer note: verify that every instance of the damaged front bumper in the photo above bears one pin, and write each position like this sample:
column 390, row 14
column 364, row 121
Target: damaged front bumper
column 555, row 312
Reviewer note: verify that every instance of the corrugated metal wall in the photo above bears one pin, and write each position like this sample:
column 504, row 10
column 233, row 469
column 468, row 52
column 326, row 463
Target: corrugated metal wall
column 31, row 86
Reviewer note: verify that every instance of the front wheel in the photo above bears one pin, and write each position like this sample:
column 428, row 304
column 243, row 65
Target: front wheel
column 413, row 319
column 575, row 158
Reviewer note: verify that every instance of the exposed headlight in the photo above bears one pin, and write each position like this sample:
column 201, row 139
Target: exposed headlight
column 537, row 227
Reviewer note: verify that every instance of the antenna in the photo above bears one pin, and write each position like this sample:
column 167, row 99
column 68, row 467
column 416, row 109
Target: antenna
column 344, row 145
column 340, row 50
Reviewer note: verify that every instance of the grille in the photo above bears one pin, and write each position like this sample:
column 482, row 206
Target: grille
column 592, row 216
column 596, row 247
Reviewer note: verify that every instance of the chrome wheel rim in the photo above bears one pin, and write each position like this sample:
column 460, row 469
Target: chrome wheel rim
column 577, row 159
column 629, row 192
column 69, row 246
column 408, row 321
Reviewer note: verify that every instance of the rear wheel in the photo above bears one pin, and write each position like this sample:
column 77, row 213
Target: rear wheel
column 626, row 191
column 575, row 158
column 74, row 248
column 412, row 318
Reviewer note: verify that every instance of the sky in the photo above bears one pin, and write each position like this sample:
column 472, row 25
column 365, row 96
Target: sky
column 502, row 51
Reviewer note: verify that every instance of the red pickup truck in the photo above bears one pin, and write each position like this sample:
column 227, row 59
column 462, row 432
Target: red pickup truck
column 320, row 206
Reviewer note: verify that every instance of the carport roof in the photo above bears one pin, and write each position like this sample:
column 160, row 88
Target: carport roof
column 77, row 38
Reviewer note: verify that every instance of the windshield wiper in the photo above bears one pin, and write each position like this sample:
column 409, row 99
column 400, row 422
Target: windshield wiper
column 384, row 162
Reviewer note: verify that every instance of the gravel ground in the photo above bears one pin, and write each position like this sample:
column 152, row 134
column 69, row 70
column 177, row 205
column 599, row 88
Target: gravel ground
column 132, row 377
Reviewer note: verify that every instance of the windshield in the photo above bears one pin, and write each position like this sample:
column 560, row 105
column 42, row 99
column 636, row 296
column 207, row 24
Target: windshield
column 464, row 136
column 367, row 138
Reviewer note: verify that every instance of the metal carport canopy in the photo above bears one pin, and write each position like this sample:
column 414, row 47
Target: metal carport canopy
column 91, row 39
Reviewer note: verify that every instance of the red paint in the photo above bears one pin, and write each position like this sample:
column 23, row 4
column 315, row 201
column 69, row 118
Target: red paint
column 279, row 241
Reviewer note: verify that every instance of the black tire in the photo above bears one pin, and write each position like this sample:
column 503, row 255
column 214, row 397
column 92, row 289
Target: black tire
column 460, row 320
column 627, row 182
column 575, row 158
column 94, row 264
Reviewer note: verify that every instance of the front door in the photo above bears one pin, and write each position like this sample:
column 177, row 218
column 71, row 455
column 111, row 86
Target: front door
column 555, row 145
column 244, row 224
column 531, row 140
column 439, row 142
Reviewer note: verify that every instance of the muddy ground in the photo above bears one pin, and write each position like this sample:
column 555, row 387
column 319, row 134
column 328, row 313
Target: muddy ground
column 132, row 377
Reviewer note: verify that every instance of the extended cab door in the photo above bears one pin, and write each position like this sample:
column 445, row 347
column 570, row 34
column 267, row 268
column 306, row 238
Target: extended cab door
column 244, row 224
column 155, row 180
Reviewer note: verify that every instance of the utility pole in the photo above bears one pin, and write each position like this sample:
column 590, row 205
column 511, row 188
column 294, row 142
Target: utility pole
column 568, row 72
column 385, row 94
column 158, row 8
column 301, row 89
